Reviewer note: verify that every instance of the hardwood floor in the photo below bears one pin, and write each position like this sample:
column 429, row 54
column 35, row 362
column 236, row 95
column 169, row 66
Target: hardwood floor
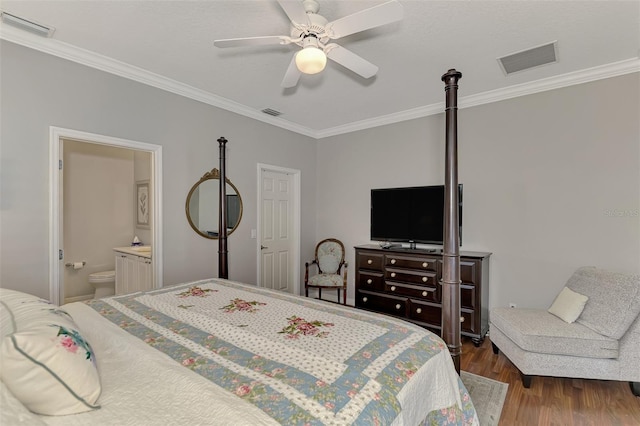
column 553, row 400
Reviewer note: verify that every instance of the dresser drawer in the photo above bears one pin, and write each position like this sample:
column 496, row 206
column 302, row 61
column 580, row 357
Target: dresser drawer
column 469, row 323
column 428, row 278
column 410, row 290
column 431, row 314
column 468, row 296
column 369, row 260
column 369, row 280
column 382, row 303
column 411, row 262
column 469, row 271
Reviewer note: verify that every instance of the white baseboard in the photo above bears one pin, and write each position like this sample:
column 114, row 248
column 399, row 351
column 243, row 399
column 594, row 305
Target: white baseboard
column 78, row 298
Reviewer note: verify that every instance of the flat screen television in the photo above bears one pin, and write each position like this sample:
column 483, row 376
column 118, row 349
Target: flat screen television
column 413, row 214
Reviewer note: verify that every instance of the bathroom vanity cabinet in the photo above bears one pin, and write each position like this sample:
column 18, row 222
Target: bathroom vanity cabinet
column 133, row 270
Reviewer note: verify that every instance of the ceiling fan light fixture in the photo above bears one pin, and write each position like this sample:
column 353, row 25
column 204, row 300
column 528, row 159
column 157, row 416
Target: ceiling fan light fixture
column 311, row 59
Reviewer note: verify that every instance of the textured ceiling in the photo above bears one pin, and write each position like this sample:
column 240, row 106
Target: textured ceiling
column 170, row 44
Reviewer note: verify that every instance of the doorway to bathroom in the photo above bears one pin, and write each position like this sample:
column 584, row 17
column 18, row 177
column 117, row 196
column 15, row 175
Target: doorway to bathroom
column 97, row 186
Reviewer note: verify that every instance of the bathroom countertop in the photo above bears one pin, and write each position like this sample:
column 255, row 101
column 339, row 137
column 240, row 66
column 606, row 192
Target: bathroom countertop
column 143, row 251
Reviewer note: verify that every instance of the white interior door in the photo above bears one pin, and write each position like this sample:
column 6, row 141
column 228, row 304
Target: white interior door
column 278, row 236
column 57, row 293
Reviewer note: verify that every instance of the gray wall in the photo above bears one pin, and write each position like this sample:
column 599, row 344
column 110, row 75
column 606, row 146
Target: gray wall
column 39, row 90
column 551, row 182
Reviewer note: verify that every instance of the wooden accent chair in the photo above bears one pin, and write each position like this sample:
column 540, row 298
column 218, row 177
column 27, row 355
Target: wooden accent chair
column 331, row 269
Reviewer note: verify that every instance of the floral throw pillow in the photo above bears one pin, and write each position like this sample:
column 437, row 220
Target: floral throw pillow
column 46, row 363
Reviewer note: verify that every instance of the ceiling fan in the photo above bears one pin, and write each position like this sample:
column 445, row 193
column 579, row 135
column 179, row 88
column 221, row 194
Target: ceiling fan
column 313, row 33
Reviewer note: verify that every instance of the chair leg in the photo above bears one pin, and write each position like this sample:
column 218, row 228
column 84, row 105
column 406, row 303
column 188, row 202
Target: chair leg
column 306, row 291
column 526, row 380
column 344, row 296
column 320, row 293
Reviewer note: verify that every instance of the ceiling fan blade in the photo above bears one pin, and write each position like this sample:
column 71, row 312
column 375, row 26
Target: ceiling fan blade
column 292, row 75
column 295, row 11
column 350, row 60
column 252, row 41
column 383, row 14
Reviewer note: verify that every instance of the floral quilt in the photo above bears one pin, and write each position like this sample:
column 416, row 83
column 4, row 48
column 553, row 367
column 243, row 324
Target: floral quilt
column 299, row 360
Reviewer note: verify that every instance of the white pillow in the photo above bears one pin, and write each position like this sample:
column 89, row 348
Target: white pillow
column 13, row 412
column 568, row 305
column 46, row 363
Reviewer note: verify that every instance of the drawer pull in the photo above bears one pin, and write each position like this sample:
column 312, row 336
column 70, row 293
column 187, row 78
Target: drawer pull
column 425, row 279
column 369, row 281
column 425, row 293
column 398, row 306
column 364, row 299
column 393, row 261
column 461, row 319
column 393, row 288
column 425, row 264
column 369, row 261
column 393, row 275
column 419, row 311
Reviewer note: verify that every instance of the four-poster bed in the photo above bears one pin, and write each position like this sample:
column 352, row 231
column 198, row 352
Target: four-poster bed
column 223, row 262
column 451, row 255
column 220, row 352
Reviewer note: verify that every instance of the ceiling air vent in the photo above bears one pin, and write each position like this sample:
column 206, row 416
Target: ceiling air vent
column 530, row 58
column 26, row 25
column 271, row 112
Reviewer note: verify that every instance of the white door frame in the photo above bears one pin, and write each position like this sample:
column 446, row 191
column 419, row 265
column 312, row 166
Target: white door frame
column 56, row 135
column 296, row 222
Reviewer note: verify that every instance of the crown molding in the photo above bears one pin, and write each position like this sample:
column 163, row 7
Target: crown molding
column 587, row 75
column 578, row 77
column 91, row 59
column 72, row 53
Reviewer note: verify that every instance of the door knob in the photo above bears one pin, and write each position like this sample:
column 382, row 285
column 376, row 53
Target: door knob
column 263, row 247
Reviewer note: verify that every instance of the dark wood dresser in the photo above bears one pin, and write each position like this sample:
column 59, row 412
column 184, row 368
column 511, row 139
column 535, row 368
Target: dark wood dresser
column 405, row 283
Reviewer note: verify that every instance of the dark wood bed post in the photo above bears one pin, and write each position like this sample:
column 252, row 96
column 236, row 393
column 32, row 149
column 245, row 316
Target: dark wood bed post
column 451, row 254
column 223, row 263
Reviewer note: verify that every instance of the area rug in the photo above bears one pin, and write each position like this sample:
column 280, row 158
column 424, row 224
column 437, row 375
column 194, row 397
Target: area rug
column 487, row 395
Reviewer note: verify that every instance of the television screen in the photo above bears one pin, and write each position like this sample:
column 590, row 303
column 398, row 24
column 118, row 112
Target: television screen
column 414, row 214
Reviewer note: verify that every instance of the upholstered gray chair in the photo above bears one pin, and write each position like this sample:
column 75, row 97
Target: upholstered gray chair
column 331, row 269
column 590, row 332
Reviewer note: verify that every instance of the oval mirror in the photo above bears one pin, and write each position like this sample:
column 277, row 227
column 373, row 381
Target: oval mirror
column 202, row 205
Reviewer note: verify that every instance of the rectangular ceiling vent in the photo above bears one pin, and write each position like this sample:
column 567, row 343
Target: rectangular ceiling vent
column 26, row 25
column 530, row 58
column 272, row 112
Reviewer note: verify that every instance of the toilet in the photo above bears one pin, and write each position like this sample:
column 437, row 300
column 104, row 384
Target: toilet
column 104, row 283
